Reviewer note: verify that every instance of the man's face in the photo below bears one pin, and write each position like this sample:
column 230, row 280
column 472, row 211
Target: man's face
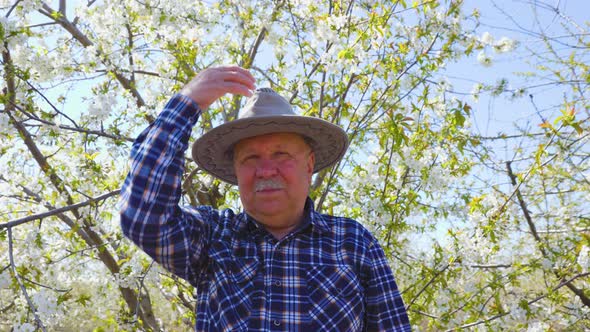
column 274, row 174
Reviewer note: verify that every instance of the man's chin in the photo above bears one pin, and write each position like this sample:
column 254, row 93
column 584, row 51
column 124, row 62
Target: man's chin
column 270, row 209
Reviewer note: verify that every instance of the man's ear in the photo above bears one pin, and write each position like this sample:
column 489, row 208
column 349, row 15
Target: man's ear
column 310, row 163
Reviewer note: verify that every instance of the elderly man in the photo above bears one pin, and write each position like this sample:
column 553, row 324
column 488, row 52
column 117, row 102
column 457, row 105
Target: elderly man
column 279, row 265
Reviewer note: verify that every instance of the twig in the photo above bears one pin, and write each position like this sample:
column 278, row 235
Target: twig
column 424, row 314
column 76, row 128
column 20, row 283
column 523, row 206
column 81, row 252
column 561, row 284
column 85, row 41
column 44, row 98
column 492, row 266
column 57, row 211
column 438, row 273
column 48, row 287
column 140, row 287
column 12, row 8
column 8, row 307
column 578, row 292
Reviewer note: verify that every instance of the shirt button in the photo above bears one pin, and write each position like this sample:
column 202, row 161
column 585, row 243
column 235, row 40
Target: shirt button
column 278, row 283
column 276, row 322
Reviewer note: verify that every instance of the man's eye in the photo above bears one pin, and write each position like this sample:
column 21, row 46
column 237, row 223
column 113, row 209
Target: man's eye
column 249, row 158
column 281, row 154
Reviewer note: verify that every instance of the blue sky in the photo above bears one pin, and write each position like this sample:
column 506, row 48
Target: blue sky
column 514, row 19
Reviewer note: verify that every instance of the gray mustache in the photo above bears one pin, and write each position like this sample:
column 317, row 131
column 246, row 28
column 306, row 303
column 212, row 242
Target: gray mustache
column 268, row 184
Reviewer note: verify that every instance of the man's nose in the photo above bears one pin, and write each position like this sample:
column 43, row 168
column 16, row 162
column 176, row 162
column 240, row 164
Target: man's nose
column 266, row 168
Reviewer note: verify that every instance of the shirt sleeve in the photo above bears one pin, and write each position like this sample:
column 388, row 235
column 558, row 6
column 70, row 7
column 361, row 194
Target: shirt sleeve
column 385, row 308
column 149, row 206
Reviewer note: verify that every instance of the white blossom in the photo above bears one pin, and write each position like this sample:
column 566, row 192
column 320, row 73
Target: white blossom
column 4, row 123
column 30, row 5
column 25, row 327
column 505, row 45
column 444, row 85
column 337, row 21
column 45, row 301
column 443, row 298
column 517, row 313
column 5, row 279
column 538, row 327
column 469, row 286
column 584, row 259
column 439, row 107
column 324, row 33
column 484, row 59
column 486, row 38
column 547, row 264
column 102, row 105
column 475, row 91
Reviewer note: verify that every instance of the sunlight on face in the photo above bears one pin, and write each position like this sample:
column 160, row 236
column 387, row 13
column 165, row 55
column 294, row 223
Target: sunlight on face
column 274, row 174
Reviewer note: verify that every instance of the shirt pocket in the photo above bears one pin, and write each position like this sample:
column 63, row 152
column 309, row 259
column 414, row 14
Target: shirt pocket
column 230, row 286
column 336, row 298
column 238, row 269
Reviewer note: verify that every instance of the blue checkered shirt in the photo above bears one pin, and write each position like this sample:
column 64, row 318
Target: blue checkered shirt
column 330, row 274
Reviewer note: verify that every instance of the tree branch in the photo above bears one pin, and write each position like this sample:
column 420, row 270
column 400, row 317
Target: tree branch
column 66, row 24
column 85, row 41
column 12, row 8
column 580, row 293
column 89, row 235
column 438, row 273
column 76, row 128
column 489, row 319
column 54, row 212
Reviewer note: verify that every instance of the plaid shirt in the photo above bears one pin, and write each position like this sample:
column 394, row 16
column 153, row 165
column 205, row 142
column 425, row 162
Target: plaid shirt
column 330, row 274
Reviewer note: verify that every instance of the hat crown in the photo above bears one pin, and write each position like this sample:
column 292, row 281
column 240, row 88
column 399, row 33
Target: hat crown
column 265, row 102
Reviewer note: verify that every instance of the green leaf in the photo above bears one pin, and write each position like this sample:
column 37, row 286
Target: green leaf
column 83, row 299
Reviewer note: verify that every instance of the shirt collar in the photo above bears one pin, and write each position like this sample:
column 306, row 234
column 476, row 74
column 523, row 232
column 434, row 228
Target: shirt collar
column 317, row 221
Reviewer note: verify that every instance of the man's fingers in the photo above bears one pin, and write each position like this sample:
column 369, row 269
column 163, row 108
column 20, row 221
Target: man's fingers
column 235, row 68
column 212, row 83
column 239, row 76
column 237, row 88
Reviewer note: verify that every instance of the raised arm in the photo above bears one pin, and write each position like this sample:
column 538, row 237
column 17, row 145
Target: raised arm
column 150, row 212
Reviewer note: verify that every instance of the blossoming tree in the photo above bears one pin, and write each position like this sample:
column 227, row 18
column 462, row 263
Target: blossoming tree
column 81, row 80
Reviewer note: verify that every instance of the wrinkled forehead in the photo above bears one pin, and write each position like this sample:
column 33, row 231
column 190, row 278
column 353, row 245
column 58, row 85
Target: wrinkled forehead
column 283, row 139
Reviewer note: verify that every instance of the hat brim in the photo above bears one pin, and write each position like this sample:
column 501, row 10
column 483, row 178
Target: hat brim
column 212, row 151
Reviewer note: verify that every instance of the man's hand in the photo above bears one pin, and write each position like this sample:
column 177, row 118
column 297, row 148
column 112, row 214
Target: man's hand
column 212, row 83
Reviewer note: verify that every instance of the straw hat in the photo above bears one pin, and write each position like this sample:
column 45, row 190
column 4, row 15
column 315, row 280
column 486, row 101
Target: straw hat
column 264, row 113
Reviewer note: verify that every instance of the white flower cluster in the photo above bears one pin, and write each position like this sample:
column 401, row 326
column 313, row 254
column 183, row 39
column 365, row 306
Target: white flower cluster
column 5, row 279
column 517, row 313
column 102, row 105
column 125, row 281
column 504, row 45
column 484, row 59
column 4, row 123
column 10, row 25
column 475, row 91
column 24, row 327
column 539, row 327
column 584, row 258
column 46, row 302
column 328, row 31
column 132, row 270
column 324, row 33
